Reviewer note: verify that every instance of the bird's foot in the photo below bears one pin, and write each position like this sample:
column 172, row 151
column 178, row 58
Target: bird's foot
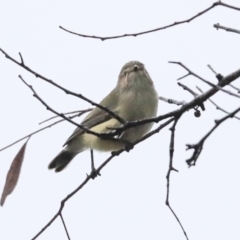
column 129, row 146
column 94, row 173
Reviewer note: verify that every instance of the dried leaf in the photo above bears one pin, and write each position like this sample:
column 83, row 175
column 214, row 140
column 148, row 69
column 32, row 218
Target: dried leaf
column 13, row 173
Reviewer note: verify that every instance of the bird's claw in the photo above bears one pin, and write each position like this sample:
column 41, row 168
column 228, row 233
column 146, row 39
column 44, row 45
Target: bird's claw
column 94, row 173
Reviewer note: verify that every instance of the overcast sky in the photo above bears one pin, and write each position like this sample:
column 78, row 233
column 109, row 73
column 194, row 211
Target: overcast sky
column 128, row 200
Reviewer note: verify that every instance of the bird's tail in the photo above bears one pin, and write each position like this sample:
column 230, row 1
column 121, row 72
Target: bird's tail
column 61, row 160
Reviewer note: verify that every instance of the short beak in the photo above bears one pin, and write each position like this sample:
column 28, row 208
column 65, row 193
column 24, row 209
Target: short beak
column 135, row 68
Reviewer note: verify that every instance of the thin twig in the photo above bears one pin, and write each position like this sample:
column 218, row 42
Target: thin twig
column 199, row 146
column 59, row 114
column 234, row 87
column 22, row 62
column 219, row 87
column 197, row 113
column 35, row 132
column 218, row 26
column 114, row 115
column 219, row 77
column 195, row 102
column 172, row 101
column 89, row 177
column 67, row 113
column 188, row 89
column 210, row 67
column 171, row 168
column 64, row 225
column 217, row 106
column 218, row 3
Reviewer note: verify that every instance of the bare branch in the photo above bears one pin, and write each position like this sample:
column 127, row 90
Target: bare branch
column 67, row 113
column 172, row 101
column 186, row 75
column 197, row 113
column 217, row 106
column 199, row 146
column 210, row 67
column 218, row 26
column 188, row 89
column 234, row 87
column 225, row 81
column 39, row 130
column 171, row 168
column 219, row 87
column 198, row 100
column 61, row 114
column 195, row 102
column 219, row 77
column 64, row 225
column 22, row 62
column 218, row 3
column 90, row 176
column 114, row 115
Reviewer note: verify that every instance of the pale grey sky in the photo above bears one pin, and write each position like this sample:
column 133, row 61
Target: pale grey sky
column 128, row 200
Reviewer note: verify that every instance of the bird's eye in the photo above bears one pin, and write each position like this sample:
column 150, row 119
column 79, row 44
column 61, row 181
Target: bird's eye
column 125, row 74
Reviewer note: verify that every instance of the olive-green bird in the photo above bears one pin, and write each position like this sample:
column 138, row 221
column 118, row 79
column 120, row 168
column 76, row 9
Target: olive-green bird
column 133, row 98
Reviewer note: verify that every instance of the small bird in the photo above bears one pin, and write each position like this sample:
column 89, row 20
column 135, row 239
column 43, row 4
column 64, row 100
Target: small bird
column 133, row 98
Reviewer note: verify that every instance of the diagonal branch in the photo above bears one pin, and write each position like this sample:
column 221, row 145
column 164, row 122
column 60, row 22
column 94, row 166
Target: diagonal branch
column 218, row 26
column 92, row 174
column 199, row 146
column 39, row 130
column 234, row 87
column 67, row 113
column 188, row 89
column 126, row 125
column 219, row 86
column 217, row 106
column 114, row 115
column 196, row 101
column 218, row 3
column 65, row 227
column 59, row 114
column 172, row 101
column 197, row 113
column 220, row 76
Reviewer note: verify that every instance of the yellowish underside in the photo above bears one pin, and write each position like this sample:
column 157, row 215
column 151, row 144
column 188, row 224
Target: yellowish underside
column 99, row 144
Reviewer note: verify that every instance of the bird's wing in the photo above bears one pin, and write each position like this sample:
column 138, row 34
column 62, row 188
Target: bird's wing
column 97, row 115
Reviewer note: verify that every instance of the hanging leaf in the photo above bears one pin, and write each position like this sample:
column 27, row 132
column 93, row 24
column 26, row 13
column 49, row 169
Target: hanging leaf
column 13, row 173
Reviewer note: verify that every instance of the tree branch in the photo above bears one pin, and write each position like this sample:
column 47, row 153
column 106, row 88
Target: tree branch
column 199, row 146
column 219, row 87
column 60, row 114
column 172, row 101
column 114, row 115
column 91, row 175
column 39, row 130
column 217, row 106
column 218, row 26
column 65, row 227
column 80, row 112
column 218, row 3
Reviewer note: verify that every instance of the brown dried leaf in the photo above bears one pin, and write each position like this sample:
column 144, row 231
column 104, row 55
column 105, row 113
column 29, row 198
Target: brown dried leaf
column 13, row 173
